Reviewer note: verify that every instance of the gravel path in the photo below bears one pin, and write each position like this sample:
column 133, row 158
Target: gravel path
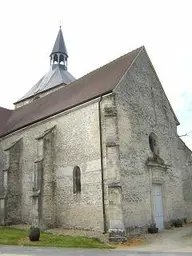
column 170, row 240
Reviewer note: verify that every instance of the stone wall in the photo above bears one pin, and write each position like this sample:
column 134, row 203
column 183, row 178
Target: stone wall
column 186, row 162
column 53, row 148
column 13, row 183
column 76, row 143
column 1, row 171
column 142, row 108
column 2, row 193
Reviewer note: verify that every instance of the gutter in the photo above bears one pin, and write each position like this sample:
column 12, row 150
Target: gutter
column 102, row 168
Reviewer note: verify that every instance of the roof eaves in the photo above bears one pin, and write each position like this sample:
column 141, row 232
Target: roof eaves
column 53, row 114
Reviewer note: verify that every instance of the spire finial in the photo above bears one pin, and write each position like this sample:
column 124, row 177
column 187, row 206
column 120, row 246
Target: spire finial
column 60, row 24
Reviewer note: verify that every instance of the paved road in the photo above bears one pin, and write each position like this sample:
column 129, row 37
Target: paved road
column 31, row 251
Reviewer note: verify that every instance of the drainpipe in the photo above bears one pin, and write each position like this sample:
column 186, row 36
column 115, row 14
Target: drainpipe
column 102, row 174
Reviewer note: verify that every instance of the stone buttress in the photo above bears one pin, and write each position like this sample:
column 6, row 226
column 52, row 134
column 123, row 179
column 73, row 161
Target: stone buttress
column 43, row 196
column 115, row 220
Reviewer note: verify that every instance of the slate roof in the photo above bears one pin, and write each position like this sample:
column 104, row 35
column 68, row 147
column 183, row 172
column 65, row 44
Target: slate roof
column 59, row 46
column 90, row 86
column 57, row 75
column 4, row 116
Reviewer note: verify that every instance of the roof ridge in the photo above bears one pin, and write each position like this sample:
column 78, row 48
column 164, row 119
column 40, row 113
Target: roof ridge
column 129, row 67
column 90, row 86
column 84, row 76
column 108, row 63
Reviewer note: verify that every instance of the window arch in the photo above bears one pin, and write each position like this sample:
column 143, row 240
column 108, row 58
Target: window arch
column 61, row 59
column 76, row 180
column 55, row 58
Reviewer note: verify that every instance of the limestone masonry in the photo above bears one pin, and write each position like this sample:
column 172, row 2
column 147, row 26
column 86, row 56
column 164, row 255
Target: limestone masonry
column 98, row 153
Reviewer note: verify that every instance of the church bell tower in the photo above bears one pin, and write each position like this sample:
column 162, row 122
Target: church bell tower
column 59, row 53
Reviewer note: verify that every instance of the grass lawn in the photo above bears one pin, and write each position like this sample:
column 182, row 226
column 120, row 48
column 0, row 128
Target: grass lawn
column 13, row 236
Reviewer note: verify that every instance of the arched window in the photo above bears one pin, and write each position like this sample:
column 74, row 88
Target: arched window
column 61, row 59
column 153, row 143
column 76, row 180
column 55, row 58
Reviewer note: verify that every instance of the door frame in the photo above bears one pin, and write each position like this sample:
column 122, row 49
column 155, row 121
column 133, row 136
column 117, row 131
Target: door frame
column 157, row 175
column 159, row 184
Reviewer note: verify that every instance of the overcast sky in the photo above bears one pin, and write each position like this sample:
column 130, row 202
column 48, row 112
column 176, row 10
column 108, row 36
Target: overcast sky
column 96, row 32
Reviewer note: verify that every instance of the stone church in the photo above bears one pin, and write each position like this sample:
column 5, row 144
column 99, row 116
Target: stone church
column 99, row 153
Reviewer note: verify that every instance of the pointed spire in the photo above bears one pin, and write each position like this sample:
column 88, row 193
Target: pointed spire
column 59, row 53
column 59, row 46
